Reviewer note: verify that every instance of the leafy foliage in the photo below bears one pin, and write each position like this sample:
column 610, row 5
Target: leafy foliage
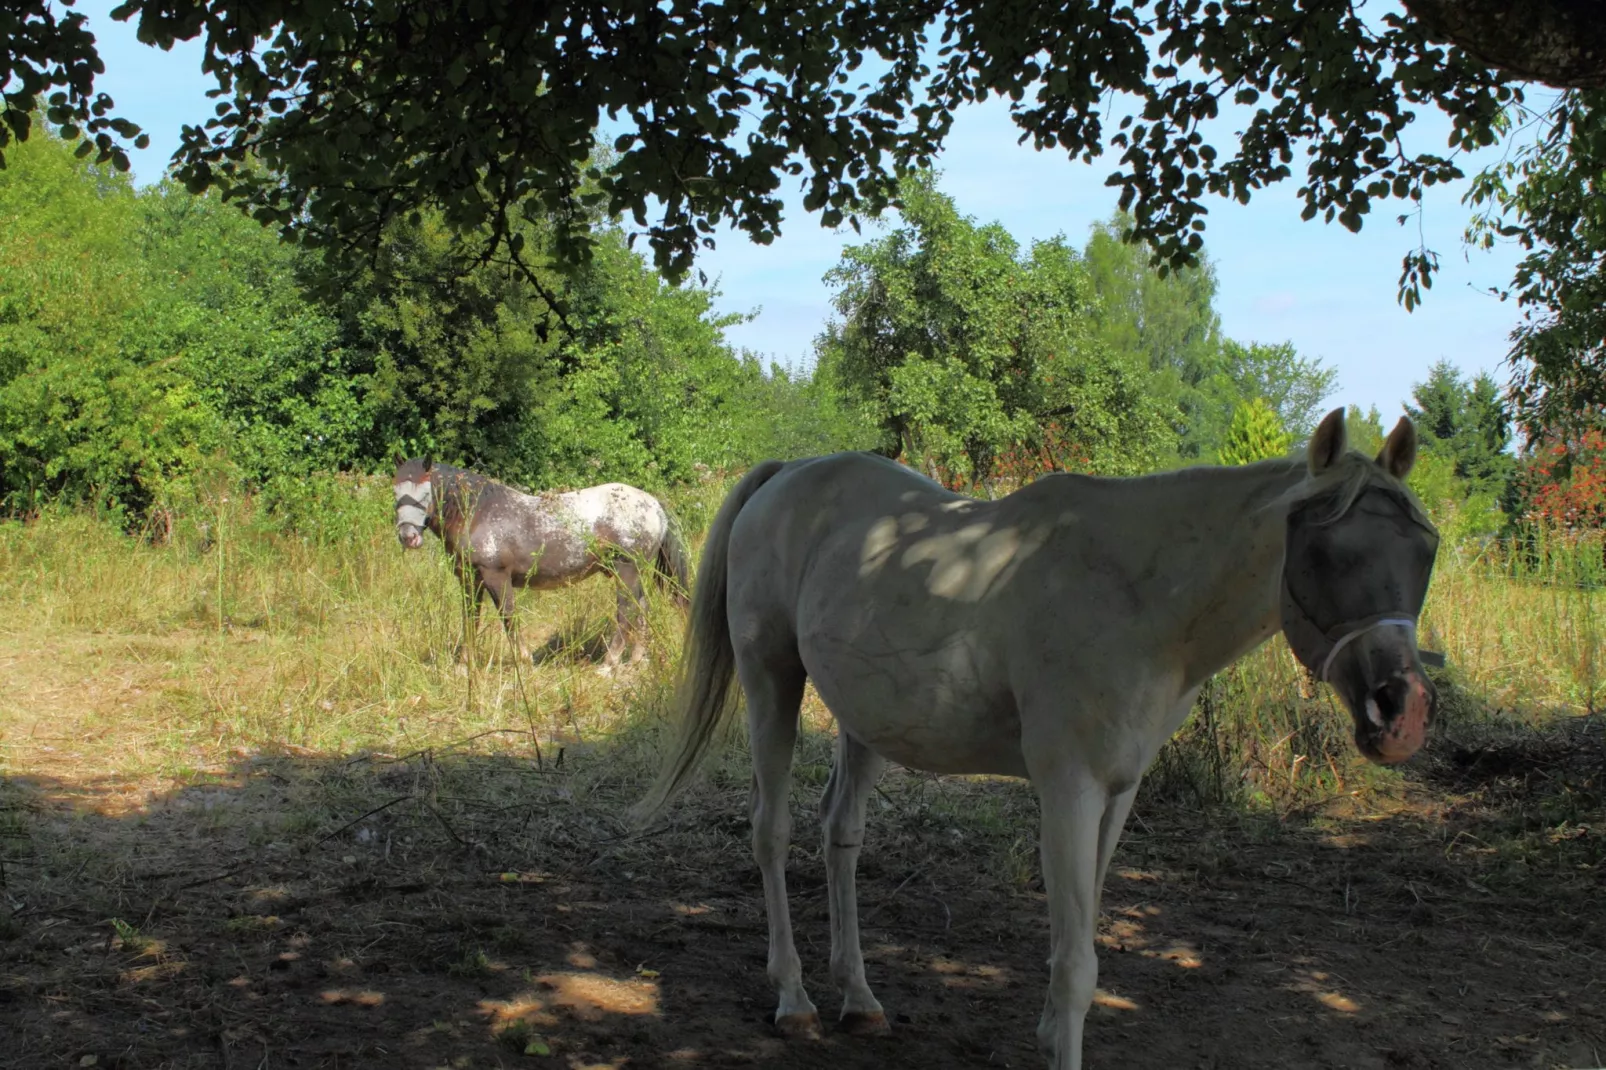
column 93, row 402
column 1549, row 197
column 149, row 340
column 1256, row 434
column 1364, row 430
column 1294, row 386
column 1563, row 483
column 40, row 51
column 1167, row 321
column 1466, row 422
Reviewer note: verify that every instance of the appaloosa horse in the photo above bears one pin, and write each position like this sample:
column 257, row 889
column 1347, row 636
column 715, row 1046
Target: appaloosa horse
column 500, row 539
column 1058, row 634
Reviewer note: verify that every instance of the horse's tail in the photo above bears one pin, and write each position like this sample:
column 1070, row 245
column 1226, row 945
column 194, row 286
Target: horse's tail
column 708, row 663
column 672, row 565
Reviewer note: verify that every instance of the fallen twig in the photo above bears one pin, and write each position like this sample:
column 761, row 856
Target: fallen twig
column 362, row 817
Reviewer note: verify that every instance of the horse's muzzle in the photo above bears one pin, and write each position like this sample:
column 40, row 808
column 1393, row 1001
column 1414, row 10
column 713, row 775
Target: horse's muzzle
column 1397, row 712
column 409, row 536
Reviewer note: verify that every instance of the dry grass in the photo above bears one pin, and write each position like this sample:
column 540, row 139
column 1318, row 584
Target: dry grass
column 139, row 662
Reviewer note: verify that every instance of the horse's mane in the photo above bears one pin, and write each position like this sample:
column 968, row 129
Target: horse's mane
column 1345, row 480
column 1336, row 487
column 456, row 484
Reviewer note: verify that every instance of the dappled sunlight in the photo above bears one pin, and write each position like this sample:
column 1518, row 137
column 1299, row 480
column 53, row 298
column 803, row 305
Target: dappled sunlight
column 159, row 971
column 1124, row 932
column 963, row 975
column 966, row 563
column 1181, row 954
column 1137, row 875
column 523, row 1009
column 1345, row 841
column 354, row 997
column 1111, row 1001
column 1318, row 984
column 359, row 861
column 687, row 911
column 591, row 995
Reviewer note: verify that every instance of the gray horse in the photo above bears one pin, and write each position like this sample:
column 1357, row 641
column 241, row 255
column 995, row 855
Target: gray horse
column 500, row 539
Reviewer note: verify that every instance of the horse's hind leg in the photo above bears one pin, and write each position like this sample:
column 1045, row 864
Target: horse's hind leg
column 853, row 774
column 632, row 615
column 629, row 596
column 1073, row 805
column 774, row 694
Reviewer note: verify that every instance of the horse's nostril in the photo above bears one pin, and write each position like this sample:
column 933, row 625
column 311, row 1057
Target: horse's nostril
column 1390, row 697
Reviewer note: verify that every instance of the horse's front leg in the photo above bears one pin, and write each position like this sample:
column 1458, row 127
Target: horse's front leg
column 853, row 775
column 1074, row 805
column 473, row 596
column 499, row 583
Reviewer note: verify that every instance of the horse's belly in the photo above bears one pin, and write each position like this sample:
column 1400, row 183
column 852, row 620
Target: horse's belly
column 937, row 711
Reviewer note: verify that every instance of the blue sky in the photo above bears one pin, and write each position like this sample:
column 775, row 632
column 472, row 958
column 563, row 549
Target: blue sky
column 1329, row 292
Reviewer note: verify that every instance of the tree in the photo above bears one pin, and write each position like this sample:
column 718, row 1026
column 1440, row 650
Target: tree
column 1562, row 482
column 1294, row 386
column 92, row 403
column 1548, row 197
column 1256, row 434
column 1364, row 430
column 960, row 347
column 1166, row 323
column 1466, row 421
column 361, row 112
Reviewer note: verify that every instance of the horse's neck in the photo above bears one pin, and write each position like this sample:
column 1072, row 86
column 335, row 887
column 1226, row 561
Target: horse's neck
column 1230, row 602
column 452, row 499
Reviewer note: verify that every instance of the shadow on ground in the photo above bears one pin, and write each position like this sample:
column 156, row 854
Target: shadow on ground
column 479, row 909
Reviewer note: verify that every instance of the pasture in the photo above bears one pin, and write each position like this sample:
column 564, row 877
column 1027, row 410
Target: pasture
column 252, row 814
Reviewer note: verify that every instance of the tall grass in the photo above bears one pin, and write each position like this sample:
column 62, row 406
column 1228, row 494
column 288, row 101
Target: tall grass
column 238, row 635
column 295, row 620
column 1520, row 625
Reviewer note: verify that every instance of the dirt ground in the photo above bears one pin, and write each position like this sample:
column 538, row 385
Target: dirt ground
column 470, row 909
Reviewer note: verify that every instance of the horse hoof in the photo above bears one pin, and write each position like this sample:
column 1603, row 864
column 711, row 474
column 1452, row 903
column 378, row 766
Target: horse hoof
column 864, row 1024
column 799, row 1026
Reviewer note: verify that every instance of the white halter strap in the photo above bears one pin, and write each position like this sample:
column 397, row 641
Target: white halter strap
column 1408, row 623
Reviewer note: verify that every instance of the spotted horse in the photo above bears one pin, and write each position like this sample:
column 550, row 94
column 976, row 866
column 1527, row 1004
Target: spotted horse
column 501, row 539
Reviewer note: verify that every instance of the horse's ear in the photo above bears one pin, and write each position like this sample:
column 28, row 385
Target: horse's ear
column 1398, row 454
column 1327, row 445
column 428, row 463
column 398, row 460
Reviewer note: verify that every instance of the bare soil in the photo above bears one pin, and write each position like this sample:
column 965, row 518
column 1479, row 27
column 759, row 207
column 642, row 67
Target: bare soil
column 471, row 908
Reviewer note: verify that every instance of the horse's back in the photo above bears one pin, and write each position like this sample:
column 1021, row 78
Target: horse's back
column 883, row 585
column 617, row 513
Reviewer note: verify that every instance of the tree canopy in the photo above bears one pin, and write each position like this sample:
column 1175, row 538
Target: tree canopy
column 961, row 348
column 363, row 111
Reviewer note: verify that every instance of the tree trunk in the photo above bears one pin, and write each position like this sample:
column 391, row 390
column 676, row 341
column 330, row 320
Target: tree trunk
column 1561, row 43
